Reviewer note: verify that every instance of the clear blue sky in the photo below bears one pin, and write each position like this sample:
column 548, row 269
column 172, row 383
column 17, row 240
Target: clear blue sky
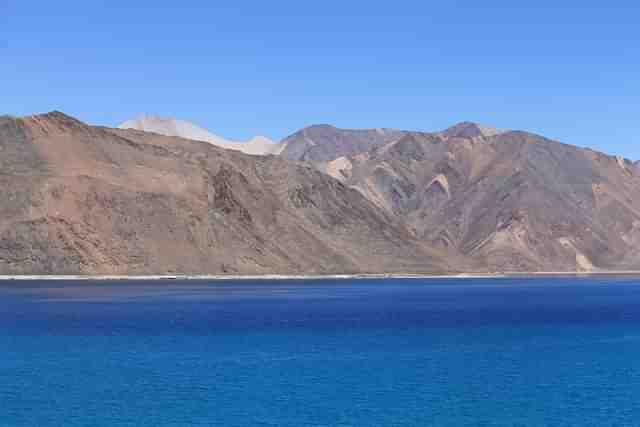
column 567, row 69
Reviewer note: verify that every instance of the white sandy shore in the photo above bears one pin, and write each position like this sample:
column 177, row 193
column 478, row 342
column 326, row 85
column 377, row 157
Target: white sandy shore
column 326, row 277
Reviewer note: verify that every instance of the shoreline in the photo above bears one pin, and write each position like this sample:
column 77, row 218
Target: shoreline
column 267, row 277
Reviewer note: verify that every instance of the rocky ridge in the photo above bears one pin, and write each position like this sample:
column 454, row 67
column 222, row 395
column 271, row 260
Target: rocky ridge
column 80, row 199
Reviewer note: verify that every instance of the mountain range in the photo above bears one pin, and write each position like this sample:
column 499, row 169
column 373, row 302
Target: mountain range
column 163, row 196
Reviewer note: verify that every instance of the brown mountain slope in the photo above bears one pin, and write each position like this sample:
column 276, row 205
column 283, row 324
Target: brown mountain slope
column 511, row 200
column 83, row 199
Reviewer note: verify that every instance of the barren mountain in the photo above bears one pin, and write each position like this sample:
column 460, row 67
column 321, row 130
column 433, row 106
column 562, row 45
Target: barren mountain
column 258, row 145
column 323, row 143
column 511, row 201
column 470, row 130
column 78, row 199
column 84, row 199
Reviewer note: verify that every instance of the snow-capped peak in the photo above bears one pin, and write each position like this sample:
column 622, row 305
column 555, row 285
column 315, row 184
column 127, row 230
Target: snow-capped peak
column 258, row 145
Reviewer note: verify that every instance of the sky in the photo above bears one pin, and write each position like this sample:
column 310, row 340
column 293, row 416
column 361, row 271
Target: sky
column 568, row 70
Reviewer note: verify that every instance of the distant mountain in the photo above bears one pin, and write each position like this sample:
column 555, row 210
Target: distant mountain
column 323, row 143
column 80, row 199
column 470, row 130
column 258, row 145
column 326, row 143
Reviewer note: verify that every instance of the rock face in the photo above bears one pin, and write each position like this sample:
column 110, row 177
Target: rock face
column 258, row 145
column 508, row 201
column 78, row 199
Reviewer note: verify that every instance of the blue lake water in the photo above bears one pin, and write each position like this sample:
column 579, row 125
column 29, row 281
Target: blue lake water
column 470, row 352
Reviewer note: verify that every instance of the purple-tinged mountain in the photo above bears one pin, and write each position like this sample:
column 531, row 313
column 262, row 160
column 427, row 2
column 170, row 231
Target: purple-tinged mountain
column 323, row 143
column 510, row 201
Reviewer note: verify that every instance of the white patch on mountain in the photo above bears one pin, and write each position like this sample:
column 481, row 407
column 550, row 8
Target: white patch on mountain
column 258, row 145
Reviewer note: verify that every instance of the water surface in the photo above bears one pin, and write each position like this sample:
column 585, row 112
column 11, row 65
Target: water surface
column 451, row 352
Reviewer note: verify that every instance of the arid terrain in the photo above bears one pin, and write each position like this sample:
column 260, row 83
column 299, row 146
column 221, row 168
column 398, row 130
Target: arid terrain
column 81, row 199
column 506, row 200
column 78, row 199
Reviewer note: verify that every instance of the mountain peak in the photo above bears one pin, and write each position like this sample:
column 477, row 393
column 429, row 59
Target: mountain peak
column 55, row 116
column 53, row 121
column 470, row 130
column 319, row 126
column 168, row 126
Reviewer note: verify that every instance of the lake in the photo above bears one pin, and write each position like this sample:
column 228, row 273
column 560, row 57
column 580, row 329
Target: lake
column 388, row 352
